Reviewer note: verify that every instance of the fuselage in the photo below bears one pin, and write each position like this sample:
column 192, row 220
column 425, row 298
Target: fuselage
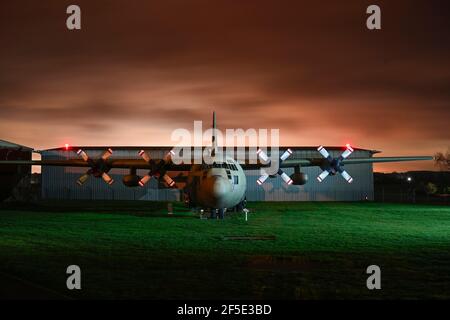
column 216, row 186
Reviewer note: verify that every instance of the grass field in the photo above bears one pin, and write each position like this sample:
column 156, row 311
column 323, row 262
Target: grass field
column 135, row 250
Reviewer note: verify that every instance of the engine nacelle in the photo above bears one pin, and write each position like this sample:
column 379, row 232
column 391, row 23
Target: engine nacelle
column 131, row 180
column 299, row 178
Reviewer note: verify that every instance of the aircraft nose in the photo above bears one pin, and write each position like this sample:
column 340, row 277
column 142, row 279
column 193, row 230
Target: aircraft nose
column 220, row 187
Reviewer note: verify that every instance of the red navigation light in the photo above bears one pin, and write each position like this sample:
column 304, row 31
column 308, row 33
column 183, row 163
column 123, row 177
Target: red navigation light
column 66, row 146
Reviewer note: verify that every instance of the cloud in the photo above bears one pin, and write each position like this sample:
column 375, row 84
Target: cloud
column 143, row 69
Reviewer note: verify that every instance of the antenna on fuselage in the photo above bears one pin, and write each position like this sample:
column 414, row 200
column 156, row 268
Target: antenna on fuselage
column 214, row 135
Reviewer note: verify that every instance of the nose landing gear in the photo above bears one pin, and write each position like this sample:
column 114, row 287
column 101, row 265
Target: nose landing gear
column 241, row 206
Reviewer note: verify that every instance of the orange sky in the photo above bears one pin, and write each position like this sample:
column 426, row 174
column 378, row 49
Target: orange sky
column 139, row 69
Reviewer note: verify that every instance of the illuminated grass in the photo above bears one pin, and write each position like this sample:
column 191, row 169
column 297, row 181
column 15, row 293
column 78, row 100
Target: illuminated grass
column 321, row 250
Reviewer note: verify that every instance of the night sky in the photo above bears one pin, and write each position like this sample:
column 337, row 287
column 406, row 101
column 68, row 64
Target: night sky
column 139, row 69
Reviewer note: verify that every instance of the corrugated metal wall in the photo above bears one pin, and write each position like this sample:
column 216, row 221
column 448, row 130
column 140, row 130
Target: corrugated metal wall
column 60, row 182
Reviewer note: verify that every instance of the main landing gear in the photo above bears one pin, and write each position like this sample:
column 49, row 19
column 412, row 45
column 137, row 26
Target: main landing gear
column 214, row 213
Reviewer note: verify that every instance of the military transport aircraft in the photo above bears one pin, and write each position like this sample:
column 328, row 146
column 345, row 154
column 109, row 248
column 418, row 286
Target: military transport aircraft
column 218, row 186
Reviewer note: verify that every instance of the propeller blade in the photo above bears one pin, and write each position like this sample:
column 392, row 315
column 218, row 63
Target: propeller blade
column 107, row 178
column 286, row 178
column 168, row 180
column 323, row 175
column 144, row 156
column 347, row 152
column 144, row 180
column 262, row 155
column 169, row 156
column 323, row 151
column 286, row 154
column 261, row 179
column 81, row 180
column 83, row 154
column 108, row 153
column 346, row 176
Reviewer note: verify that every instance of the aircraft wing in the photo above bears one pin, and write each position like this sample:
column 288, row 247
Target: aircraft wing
column 116, row 163
column 58, row 163
column 318, row 161
column 385, row 159
column 284, row 164
column 141, row 164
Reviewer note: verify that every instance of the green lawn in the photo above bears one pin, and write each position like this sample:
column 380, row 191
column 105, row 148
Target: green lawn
column 321, row 250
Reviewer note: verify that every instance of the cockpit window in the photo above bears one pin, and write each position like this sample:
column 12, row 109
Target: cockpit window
column 227, row 166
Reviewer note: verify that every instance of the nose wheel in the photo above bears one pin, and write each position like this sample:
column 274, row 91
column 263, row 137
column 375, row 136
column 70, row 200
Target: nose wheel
column 241, row 206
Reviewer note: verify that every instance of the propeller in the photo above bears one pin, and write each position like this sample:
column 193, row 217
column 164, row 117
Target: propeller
column 263, row 156
column 99, row 167
column 157, row 168
column 334, row 165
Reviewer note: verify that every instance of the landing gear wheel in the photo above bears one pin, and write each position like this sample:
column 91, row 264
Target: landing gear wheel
column 241, row 205
column 221, row 214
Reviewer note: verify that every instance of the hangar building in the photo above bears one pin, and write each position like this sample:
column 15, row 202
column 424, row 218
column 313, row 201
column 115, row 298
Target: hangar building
column 60, row 182
column 11, row 175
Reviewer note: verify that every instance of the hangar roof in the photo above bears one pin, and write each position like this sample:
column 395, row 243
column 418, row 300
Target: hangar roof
column 298, row 148
column 10, row 145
